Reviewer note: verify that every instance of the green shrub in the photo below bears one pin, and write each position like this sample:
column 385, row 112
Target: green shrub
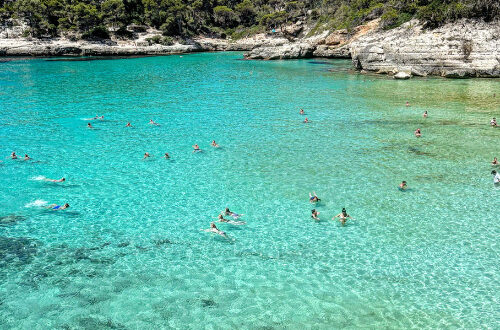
column 97, row 33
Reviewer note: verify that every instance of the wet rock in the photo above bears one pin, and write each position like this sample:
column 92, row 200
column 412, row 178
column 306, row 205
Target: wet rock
column 162, row 242
column 402, row 75
column 208, row 303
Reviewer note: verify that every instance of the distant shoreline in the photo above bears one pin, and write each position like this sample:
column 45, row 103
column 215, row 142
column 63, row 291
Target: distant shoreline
column 463, row 49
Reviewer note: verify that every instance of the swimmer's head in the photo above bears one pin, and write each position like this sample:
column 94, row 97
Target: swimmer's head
column 66, row 205
column 344, row 211
column 493, row 172
column 212, row 225
column 63, row 179
column 404, row 182
column 227, row 209
column 313, row 211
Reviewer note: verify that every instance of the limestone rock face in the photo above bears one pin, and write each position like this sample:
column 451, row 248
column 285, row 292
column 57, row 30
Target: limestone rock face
column 285, row 51
column 402, row 75
column 467, row 48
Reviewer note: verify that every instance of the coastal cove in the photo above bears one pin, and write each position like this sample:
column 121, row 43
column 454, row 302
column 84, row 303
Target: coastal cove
column 129, row 252
column 462, row 49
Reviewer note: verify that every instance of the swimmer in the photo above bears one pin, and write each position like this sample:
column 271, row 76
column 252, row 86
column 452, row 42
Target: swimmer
column 196, row 148
column 496, row 177
column 493, row 122
column 213, row 229
column 89, row 125
column 306, row 120
column 26, row 157
column 314, row 214
column 128, row 125
column 343, row 216
column 101, row 118
column 146, row 155
column 151, row 122
column 57, row 207
column 495, row 161
column 231, row 213
column 418, row 133
column 214, row 144
column 13, row 155
column 403, row 185
column 167, row 156
column 425, row 114
column 221, row 218
column 52, row 180
column 313, row 198
column 407, row 103
column 301, row 112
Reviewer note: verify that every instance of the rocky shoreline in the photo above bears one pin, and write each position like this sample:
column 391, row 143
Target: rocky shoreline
column 467, row 48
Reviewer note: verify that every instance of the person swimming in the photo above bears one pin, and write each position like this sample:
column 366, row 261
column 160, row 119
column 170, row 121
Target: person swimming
column 403, row 185
column 496, row 177
column 306, row 120
column 89, row 125
column 214, row 144
column 495, row 161
column 313, row 198
column 26, row 157
column 425, row 114
column 213, row 229
column 128, row 125
column 167, row 156
column 301, row 112
column 52, row 180
column 315, row 214
column 231, row 213
column 146, row 155
column 418, row 133
column 151, row 122
column 221, row 218
column 343, row 216
column 57, row 207
column 493, row 122
column 196, row 148
column 13, row 155
column 407, row 103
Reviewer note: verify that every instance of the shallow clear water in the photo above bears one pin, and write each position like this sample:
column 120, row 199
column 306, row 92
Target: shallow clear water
column 129, row 252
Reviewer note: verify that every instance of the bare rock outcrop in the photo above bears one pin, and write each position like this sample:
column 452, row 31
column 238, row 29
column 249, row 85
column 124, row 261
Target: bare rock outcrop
column 467, row 48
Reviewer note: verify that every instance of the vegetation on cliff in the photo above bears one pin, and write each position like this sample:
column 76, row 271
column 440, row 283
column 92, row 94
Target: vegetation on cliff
column 221, row 18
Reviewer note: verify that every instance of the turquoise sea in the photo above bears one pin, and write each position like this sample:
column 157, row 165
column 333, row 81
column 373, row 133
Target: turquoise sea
column 129, row 252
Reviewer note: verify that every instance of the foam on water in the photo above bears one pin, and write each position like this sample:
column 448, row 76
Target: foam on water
column 129, row 252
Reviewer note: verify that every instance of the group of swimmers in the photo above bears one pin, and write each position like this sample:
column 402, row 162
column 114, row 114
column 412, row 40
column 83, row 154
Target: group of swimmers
column 343, row 216
column 220, row 218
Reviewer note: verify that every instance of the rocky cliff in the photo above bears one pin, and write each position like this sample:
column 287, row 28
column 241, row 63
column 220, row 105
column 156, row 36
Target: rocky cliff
column 463, row 49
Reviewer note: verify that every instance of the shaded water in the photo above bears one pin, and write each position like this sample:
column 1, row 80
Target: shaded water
column 129, row 252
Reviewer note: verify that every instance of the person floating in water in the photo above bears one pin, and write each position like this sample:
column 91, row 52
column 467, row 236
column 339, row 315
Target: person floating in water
column 306, row 120
column 13, row 155
column 167, row 156
column 313, row 198
column 495, row 161
column 26, row 157
column 214, row 144
column 343, row 216
column 425, row 114
column 407, row 103
column 418, row 133
column 493, row 122
column 57, row 207
column 128, row 125
column 496, row 177
column 315, row 214
column 403, row 185
column 231, row 213
column 89, row 125
column 53, row 180
column 213, row 229
column 146, row 155
column 151, row 122
column 196, row 148
column 302, row 112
